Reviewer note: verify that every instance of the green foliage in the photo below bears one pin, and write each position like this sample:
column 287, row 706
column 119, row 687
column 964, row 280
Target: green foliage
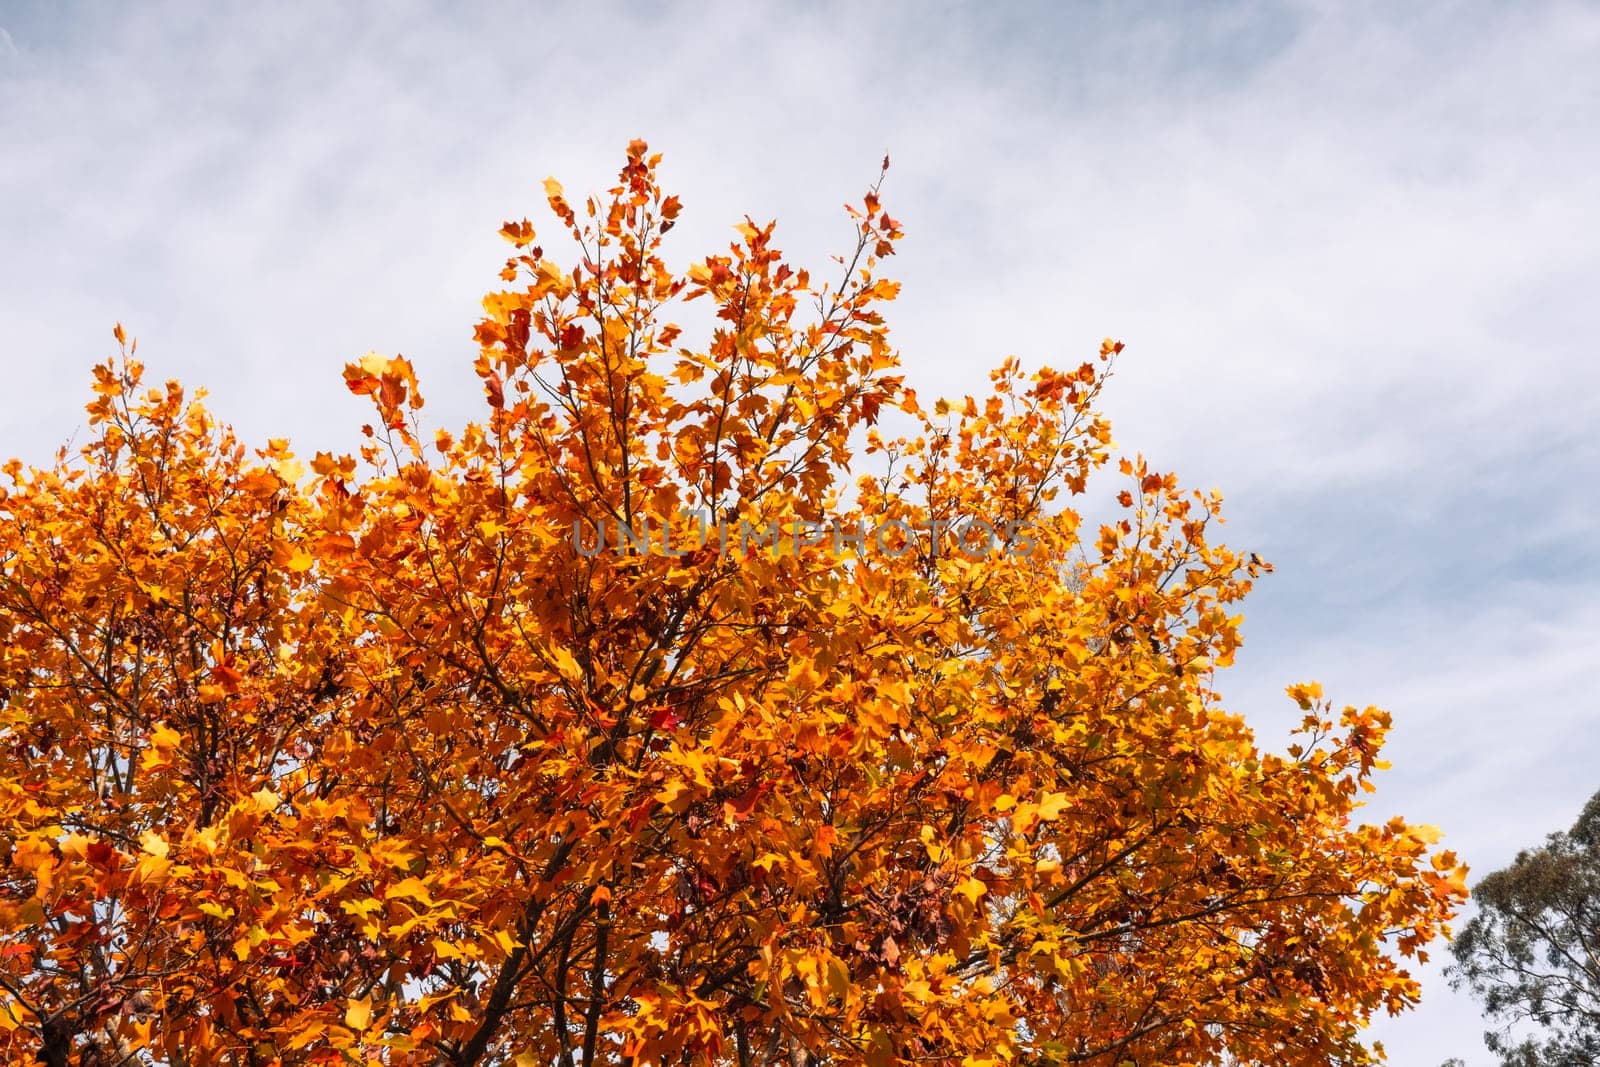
column 1532, row 953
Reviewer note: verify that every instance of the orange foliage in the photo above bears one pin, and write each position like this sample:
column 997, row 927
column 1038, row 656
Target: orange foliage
column 369, row 763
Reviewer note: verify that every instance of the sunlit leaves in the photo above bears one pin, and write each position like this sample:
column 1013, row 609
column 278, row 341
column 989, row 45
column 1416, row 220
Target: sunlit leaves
column 367, row 759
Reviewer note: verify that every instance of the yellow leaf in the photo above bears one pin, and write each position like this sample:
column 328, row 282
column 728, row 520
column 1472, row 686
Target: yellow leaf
column 972, row 889
column 361, row 908
column 410, row 889
column 671, row 791
column 154, row 844
column 289, row 469
column 566, row 664
column 165, row 738
column 1051, row 805
column 251, row 938
column 358, row 1013
column 206, row 841
column 838, row 977
column 151, row 870
column 1305, row 694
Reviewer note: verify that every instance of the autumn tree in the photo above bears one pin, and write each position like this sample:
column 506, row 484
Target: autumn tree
column 1531, row 953
column 700, row 703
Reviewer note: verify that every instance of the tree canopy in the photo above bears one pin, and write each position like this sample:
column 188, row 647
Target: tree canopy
column 1531, row 952
column 700, row 703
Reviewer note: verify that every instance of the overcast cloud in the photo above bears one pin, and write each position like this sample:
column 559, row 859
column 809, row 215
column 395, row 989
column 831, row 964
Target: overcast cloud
column 1351, row 248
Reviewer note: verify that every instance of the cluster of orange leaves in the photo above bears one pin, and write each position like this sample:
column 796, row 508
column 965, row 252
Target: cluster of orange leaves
column 367, row 763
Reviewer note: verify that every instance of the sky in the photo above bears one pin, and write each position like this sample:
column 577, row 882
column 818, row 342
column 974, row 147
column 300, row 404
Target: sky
column 1351, row 249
